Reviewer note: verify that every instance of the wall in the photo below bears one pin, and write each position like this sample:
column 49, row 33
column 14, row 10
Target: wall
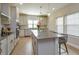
column 42, row 18
column 13, row 18
column 24, row 19
column 51, row 22
column 68, row 9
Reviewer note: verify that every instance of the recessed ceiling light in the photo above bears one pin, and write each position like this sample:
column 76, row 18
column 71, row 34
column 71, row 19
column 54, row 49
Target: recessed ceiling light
column 53, row 8
column 21, row 3
column 17, row 20
column 48, row 14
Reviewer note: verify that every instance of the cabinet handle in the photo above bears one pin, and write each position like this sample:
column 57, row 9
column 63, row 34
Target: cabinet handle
column 0, row 50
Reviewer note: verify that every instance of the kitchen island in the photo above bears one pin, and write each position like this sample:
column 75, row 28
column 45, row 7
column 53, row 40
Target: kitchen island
column 45, row 42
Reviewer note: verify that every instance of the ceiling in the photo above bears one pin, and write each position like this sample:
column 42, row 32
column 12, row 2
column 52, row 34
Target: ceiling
column 39, row 8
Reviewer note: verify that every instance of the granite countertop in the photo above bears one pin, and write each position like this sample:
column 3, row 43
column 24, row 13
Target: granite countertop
column 44, row 34
column 3, row 37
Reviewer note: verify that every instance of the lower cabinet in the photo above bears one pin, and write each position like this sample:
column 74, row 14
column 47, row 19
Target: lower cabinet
column 7, row 45
column 3, row 46
column 10, row 43
column 21, row 33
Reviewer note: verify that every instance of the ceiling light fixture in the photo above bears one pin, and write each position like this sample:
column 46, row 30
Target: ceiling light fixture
column 40, row 10
column 21, row 3
column 53, row 8
column 48, row 12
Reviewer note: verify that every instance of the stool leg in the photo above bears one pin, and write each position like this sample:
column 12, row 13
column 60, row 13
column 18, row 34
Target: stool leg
column 66, row 48
column 59, row 49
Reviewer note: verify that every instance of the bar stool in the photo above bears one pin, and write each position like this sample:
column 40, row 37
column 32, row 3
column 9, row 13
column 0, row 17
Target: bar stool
column 63, row 40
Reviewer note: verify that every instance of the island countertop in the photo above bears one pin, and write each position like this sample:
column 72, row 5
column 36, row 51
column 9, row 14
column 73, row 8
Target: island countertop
column 44, row 34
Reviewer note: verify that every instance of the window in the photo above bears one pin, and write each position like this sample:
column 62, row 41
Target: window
column 29, row 23
column 59, row 23
column 32, row 23
column 73, row 24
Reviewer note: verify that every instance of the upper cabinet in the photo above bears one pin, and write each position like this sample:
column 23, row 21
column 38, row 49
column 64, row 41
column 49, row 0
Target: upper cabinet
column 9, row 13
column 5, row 13
column 5, row 9
column 14, row 14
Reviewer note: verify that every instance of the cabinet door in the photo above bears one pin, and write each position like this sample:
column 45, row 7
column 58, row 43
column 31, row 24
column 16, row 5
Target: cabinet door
column 10, row 43
column 9, row 50
column 43, row 47
column 21, row 33
column 5, row 8
column 4, row 47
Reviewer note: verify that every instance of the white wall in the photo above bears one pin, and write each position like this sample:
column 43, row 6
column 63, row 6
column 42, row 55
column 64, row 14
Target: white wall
column 68, row 9
column 51, row 22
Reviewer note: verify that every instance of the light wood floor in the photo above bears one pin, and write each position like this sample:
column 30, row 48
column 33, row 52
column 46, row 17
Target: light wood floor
column 24, row 47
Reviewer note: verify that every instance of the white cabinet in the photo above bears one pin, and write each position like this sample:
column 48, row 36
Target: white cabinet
column 23, row 19
column 21, row 33
column 10, row 43
column 9, row 46
column 5, row 16
column 5, row 8
column 3, row 47
column 13, row 18
column 14, row 13
column 8, row 15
